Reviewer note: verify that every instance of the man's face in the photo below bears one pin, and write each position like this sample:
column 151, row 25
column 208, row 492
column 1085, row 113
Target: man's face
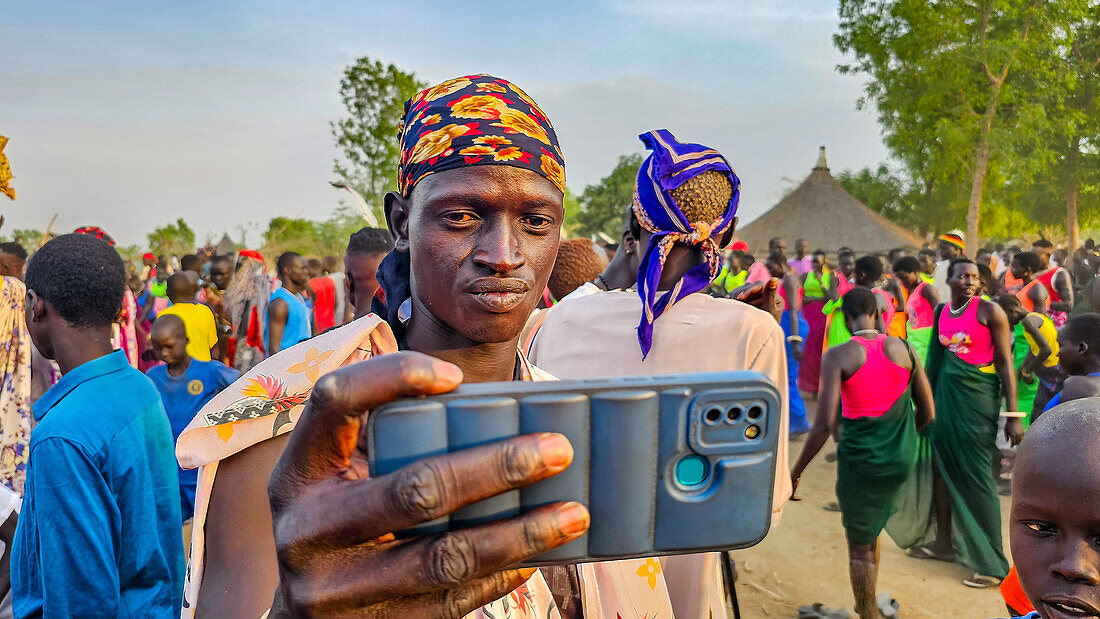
column 1044, row 253
column 909, row 280
column 818, row 262
column 948, row 251
column 735, row 262
column 362, row 274
column 1054, row 528
column 1018, row 270
column 482, row 242
column 778, row 246
column 800, row 247
column 965, row 281
column 927, row 263
column 169, row 345
column 847, row 264
column 221, row 272
column 295, row 271
column 11, row 265
column 1072, row 354
column 313, row 269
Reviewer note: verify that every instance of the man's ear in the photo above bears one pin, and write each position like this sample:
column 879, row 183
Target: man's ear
column 37, row 306
column 727, row 236
column 397, row 219
column 628, row 242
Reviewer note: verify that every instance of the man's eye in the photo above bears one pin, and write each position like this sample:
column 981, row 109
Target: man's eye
column 537, row 221
column 459, row 217
column 1041, row 527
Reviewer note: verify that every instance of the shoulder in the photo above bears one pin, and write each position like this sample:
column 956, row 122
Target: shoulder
column 86, row 418
column 897, row 350
column 157, row 373
column 1076, row 387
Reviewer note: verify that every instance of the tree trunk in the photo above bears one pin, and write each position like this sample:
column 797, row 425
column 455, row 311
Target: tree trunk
column 977, row 184
column 1072, row 191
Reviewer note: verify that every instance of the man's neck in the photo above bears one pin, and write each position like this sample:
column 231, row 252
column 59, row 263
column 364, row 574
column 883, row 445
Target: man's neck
column 80, row 346
column 178, row 368
column 291, row 287
column 480, row 362
column 681, row 259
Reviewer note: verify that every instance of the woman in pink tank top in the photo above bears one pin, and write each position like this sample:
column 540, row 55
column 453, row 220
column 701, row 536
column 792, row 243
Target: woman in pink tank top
column 970, row 368
column 918, row 307
column 874, row 380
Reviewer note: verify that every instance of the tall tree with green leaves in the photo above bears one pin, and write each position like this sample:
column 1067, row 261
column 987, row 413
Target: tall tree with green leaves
column 373, row 95
column 175, row 239
column 603, row 205
column 958, row 86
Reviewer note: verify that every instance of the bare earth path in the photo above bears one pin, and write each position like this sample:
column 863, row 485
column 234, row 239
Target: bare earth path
column 804, row 560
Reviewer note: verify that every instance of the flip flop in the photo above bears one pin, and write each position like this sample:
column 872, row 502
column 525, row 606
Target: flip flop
column 924, row 552
column 981, row 581
column 821, row 611
column 887, row 605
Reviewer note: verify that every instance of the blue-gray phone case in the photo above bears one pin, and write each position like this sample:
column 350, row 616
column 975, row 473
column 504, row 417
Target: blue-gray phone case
column 666, row 464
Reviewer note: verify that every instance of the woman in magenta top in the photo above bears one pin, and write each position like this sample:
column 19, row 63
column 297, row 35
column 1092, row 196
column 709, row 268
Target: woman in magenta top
column 919, row 307
column 970, row 368
column 876, row 381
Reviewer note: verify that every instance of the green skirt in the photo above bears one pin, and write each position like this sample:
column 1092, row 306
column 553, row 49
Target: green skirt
column 875, row 458
column 919, row 340
column 1025, row 393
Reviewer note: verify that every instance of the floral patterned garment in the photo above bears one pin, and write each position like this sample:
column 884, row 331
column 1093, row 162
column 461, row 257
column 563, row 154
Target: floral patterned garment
column 476, row 120
column 268, row 400
column 15, row 362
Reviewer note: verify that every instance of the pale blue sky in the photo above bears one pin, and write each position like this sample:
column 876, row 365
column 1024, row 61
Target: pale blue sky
column 132, row 115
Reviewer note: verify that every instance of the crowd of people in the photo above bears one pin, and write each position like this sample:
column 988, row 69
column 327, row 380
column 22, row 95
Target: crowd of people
column 181, row 436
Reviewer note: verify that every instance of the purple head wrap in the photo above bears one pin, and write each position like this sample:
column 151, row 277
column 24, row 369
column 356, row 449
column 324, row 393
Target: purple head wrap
column 668, row 166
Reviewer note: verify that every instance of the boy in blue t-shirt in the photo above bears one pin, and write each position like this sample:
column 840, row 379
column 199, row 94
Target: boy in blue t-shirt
column 185, row 385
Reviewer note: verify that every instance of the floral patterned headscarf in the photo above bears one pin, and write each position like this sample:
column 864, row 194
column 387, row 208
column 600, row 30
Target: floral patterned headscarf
column 670, row 165
column 476, row 120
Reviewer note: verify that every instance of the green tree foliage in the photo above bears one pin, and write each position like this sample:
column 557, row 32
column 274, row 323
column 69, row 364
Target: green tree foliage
column 374, row 96
column 962, row 91
column 311, row 238
column 176, row 239
column 28, row 238
column 603, row 206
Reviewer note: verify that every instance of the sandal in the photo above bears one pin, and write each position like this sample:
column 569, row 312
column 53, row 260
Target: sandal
column 888, row 606
column 981, row 581
column 924, row 552
column 821, row 611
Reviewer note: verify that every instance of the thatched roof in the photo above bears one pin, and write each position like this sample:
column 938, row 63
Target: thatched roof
column 828, row 217
column 226, row 246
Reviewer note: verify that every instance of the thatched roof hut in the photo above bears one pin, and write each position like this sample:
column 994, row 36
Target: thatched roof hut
column 226, row 246
column 828, row 217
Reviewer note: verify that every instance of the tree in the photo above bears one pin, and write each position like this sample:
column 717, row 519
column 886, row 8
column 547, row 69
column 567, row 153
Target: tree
column 374, row 96
column 176, row 239
column 958, row 86
column 881, row 190
column 604, row 205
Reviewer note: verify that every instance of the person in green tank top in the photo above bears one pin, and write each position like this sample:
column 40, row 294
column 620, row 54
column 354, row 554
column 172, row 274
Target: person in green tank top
column 868, row 272
column 732, row 276
column 879, row 381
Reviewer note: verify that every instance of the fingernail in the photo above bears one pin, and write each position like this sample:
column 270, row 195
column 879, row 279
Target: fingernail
column 572, row 519
column 555, row 450
column 447, row 371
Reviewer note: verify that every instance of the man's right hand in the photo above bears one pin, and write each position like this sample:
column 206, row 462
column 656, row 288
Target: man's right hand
column 334, row 523
column 763, row 295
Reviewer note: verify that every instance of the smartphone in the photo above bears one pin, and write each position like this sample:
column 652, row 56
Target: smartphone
column 668, row 464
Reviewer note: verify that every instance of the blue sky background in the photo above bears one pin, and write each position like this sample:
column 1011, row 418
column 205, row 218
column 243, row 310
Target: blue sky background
column 132, row 114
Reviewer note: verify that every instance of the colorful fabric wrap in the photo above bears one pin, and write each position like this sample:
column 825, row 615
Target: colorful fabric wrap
column 954, row 238
column 97, row 232
column 669, row 165
column 476, row 120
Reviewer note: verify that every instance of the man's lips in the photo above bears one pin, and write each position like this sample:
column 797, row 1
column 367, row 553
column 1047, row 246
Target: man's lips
column 499, row 295
column 1065, row 606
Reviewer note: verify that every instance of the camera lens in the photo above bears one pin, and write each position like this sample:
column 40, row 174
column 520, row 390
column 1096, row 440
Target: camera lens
column 712, row 415
column 755, row 412
column 733, row 414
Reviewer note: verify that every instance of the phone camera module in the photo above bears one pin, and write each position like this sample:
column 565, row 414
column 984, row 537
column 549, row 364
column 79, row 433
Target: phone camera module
column 712, row 415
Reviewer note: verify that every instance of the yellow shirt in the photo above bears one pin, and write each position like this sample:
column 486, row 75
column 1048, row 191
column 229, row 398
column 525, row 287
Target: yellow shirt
column 1050, row 334
column 202, row 332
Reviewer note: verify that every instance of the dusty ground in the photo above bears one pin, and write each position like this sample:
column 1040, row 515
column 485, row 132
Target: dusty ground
column 804, row 560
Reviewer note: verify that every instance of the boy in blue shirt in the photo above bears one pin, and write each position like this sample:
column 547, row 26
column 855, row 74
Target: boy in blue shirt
column 185, row 385
column 99, row 530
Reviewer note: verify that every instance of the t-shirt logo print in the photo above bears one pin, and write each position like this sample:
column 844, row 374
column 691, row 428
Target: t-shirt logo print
column 195, row 387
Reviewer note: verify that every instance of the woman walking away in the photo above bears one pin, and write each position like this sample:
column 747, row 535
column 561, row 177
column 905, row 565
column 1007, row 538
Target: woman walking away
column 970, row 368
column 818, row 289
column 919, row 306
column 796, row 330
column 876, row 380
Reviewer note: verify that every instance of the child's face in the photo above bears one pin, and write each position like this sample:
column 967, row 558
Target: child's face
column 1055, row 528
column 171, row 348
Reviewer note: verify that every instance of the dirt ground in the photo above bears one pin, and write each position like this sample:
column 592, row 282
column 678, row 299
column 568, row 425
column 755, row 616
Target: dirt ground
column 804, row 560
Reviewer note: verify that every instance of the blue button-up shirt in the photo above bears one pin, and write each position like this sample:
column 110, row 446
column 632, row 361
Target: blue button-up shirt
column 99, row 531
